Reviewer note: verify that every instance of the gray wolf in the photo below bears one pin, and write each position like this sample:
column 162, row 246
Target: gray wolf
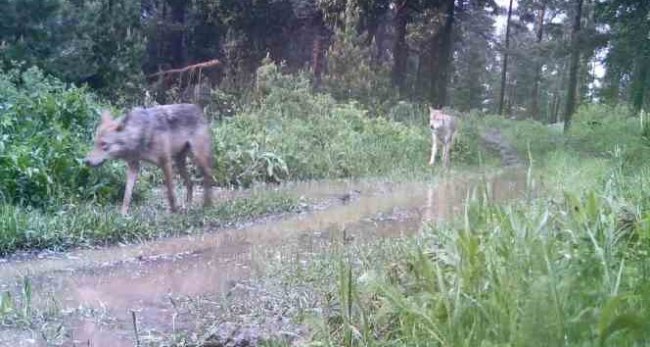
column 444, row 129
column 161, row 135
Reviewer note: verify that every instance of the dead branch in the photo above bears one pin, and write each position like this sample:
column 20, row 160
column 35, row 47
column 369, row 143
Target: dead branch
column 189, row 68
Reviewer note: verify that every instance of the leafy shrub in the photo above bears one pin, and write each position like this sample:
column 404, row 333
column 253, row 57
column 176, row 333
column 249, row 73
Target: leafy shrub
column 608, row 131
column 409, row 113
column 45, row 129
column 293, row 133
column 270, row 147
column 289, row 95
column 223, row 104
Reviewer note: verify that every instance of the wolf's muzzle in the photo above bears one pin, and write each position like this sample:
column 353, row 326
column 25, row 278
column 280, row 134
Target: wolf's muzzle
column 93, row 163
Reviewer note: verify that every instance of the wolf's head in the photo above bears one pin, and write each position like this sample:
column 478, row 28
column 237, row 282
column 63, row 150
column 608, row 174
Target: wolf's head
column 108, row 141
column 436, row 118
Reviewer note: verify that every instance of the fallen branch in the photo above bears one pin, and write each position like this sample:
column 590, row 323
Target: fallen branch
column 199, row 66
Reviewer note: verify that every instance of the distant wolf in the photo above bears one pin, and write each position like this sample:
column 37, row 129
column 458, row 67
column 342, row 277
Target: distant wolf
column 444, row 128
column 160, row 135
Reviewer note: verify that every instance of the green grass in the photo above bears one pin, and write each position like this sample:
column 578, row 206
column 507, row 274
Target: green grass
column 50, row 199
column 291, row 133
column 566, row 268
column 89, row 225
column 571, row 272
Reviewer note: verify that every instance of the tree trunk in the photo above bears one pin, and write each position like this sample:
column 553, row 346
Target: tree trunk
column 379, row 55
column 560, row 82
column 178, row 51
column 573, row 68
column 504, row 69
column 534, row 101
column 444, row 49
column 400, row 51
column 422, row 75
column 317, row 50
column 639, row 83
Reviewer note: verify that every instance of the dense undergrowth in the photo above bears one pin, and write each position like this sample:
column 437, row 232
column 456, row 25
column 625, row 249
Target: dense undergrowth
column 292, row 133
column 45, row 128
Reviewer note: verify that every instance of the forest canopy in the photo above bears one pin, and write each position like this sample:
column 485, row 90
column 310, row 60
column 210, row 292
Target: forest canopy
column 523, row 58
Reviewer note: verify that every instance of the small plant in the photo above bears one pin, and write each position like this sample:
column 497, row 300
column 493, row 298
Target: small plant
column 17, row 310
column 223, row 104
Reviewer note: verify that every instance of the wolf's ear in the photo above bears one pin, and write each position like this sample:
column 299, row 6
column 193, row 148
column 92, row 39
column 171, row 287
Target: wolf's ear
column 120, row 125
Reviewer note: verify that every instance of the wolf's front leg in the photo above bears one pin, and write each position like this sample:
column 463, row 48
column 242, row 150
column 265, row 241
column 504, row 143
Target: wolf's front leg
column 434, row 149
column 131, row 177
column 445, row 154
column 448, row 146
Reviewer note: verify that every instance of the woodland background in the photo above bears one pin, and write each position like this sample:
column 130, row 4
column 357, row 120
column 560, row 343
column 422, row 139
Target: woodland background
column 551, row 56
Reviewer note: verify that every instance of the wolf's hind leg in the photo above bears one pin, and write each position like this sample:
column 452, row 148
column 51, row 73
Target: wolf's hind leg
column 181, row 164
column 202, row 153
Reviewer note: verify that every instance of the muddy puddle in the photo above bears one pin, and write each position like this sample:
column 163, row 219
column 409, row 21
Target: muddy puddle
column 144, row 278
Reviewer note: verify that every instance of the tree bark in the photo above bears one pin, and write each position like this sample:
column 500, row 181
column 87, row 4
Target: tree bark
column 317, row 50
column 400, row 52
column 504, row 69
column 178, row 9
column 573, row 68
column 534, row 101
column 442, row 73
column 639, row 83
column 378, row 34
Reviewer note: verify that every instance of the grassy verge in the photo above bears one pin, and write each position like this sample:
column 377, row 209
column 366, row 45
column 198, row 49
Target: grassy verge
column 568, row 268
column 89, row 225
column 570, row 271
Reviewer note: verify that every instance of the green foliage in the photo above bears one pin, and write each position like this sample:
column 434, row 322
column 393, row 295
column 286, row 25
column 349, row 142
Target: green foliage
column 295, row 134
column 611, row 133
column 351, row 73
column 95, row 42
column 602, row 131
column 628, row 50
column 409, row 113
column 340, row 144
column 223, row 104
column 528, row 273
column 542, row 139
column 45, row 130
